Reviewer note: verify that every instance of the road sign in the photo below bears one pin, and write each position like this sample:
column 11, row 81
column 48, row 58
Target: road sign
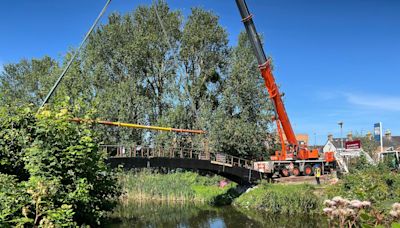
column 355, row 144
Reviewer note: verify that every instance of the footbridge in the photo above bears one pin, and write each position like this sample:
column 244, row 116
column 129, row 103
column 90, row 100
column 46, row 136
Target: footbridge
column 233, row 168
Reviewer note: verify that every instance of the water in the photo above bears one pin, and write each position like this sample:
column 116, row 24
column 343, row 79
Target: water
column 190, row 215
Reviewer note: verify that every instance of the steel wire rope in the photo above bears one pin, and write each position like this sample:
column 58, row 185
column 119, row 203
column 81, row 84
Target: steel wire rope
column 167, row 39
column 75, row 54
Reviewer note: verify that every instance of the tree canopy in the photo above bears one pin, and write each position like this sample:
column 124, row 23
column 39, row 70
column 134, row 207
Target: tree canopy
column 130, row 72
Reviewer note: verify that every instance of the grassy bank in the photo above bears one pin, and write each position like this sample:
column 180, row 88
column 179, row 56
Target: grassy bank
column 281, row 198
column 172, row 187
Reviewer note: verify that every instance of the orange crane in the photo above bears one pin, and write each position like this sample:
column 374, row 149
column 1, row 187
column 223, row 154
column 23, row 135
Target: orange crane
column 293, row 151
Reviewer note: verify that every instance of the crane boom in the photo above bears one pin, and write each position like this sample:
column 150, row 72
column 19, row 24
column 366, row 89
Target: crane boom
column 130, row 125
column 266, row 72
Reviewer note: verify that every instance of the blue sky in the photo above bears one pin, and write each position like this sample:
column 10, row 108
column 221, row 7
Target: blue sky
column 335, row 60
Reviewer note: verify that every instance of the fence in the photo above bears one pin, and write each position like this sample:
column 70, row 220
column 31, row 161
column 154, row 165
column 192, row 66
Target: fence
column 177, row 152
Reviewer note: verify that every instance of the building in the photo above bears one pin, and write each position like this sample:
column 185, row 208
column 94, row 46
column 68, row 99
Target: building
column 390, row 142
column 333, row 144
column 300, row 138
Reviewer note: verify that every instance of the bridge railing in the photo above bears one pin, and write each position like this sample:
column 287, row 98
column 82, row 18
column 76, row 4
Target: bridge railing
column 176, row 152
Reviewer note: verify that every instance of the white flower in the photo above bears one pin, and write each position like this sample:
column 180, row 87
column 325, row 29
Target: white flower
column 366, row 203
column 337, row 199
column 394, row 214
column 350, row 212
column 342, row 212
column 335, row 213
column 396, row 206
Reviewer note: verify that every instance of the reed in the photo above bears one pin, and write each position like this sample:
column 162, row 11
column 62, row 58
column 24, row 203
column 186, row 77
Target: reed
column 280, row 198
column 173, row 187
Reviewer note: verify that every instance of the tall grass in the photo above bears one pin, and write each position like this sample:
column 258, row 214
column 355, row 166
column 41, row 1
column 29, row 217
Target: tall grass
column 176, row 187
column 280, row 198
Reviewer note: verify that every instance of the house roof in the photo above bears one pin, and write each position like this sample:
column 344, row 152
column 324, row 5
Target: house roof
column 393, row 141
column 338, row 143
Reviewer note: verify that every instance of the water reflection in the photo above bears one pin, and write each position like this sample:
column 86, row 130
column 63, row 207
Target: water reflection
column 161, row 214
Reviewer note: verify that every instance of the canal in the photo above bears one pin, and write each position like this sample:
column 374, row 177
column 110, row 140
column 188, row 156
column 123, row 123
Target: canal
column 162, row 214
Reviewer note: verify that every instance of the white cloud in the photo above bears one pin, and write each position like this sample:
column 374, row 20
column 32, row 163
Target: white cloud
column 379, row 102
column 371, row 101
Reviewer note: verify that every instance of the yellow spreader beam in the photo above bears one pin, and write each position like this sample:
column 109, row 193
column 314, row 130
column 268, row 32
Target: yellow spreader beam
column 130, row 125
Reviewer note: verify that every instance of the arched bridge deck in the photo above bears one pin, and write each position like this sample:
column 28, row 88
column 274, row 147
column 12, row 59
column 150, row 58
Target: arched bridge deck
column 234, row 168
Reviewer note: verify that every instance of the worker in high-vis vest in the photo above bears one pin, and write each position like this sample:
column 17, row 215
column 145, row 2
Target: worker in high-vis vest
column 317, row 172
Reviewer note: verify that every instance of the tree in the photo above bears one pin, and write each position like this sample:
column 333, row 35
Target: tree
column 369, row 145
column 243, row 117
column 129, row 72
column 27, row 81
column 204, row 55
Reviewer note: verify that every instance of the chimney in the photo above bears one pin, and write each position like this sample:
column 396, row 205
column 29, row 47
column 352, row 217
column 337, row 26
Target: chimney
column 369, row 135
column 350, row 136
column 388, row 135
column 330, row 137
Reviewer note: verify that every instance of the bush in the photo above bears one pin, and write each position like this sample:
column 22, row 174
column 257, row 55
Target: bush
column 12, row 199
column 16, row 134
column 63, row 179
column 376, row 184
column 280, row 199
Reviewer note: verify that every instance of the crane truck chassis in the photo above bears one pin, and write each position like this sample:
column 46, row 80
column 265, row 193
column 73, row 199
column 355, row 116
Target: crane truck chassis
column 295, row 167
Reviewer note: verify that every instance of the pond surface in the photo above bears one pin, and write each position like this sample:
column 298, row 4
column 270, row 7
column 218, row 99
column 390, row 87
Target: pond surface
column 165, row 215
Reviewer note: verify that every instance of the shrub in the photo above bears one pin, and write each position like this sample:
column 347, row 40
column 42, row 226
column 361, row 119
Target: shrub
column 64, row 178
column 376, row 184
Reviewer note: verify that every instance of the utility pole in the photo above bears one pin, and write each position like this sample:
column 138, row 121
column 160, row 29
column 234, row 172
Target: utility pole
column 340, row 123
column 315, row 139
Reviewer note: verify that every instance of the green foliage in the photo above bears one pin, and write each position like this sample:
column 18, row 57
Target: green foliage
column 280, row 199
column 378, row 185
column 65, row 179
column 12, row 199
column 178, row 186
column 361, row 164
column 130, row 73
column 16, row 133
column 369, row 145
column 28, row 81
column 243, row 116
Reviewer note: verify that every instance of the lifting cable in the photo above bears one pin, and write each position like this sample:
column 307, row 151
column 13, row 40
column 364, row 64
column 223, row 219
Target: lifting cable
column 167, row 39
column 75, row 54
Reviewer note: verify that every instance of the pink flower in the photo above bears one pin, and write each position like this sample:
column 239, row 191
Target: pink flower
column 329, row 203
column 327, row 210
column 356, row 204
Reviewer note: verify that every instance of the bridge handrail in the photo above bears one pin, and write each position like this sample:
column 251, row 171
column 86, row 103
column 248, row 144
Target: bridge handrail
column 178, row 152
